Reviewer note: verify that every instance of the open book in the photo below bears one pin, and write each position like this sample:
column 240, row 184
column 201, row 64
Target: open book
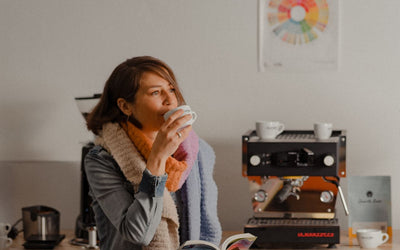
column 234, row 242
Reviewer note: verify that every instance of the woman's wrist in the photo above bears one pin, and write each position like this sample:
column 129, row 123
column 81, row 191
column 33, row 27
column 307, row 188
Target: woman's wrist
column 156, row 165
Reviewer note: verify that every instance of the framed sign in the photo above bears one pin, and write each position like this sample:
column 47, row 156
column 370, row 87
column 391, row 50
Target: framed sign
column 369, row 204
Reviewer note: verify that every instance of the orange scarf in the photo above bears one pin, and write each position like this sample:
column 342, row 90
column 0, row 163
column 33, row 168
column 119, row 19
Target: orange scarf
column 173, row 167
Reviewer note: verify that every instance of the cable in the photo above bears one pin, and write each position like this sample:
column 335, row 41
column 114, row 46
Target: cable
column 14, row 231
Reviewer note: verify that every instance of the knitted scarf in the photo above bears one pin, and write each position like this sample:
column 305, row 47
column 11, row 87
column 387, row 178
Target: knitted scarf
column 117, row 142
column 175, row 166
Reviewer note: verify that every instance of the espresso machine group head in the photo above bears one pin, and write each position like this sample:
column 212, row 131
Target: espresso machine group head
column 295, row 181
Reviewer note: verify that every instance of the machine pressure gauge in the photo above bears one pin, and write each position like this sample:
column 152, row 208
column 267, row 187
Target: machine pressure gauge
column 326, row 196
column 260, row 195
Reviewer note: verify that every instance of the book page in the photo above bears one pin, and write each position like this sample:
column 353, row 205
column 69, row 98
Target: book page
column 198, row 245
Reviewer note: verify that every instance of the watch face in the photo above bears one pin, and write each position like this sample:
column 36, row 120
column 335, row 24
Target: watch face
column 326, row 196
column 260, row 195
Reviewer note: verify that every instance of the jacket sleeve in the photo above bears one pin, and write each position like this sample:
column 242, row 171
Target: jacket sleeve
column 135, row 216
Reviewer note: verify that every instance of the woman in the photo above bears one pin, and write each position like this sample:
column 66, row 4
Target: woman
column 151, row 180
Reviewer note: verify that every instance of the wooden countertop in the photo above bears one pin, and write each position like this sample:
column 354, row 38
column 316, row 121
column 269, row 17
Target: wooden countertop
column 345, row 244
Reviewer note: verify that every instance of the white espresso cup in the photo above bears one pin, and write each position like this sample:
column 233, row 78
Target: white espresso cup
column 371, row 238
column 187, row 110
column 4, row 229
column 322, row 130
column 5, row 242
column 269, row 129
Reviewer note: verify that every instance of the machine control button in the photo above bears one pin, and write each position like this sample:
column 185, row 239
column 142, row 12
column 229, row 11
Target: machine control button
column 255, row 160
column 329, row 160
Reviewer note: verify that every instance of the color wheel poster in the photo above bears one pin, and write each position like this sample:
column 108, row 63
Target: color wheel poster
column 298, row 34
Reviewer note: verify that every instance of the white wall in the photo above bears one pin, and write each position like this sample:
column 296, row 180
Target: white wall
column 52, row 51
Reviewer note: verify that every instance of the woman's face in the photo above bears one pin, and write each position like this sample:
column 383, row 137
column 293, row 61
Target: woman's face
column 154, row 98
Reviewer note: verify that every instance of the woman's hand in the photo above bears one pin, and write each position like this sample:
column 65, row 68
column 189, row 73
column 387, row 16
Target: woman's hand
column 167, row 141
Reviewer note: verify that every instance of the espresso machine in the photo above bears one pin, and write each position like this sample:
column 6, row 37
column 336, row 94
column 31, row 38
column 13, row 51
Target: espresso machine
column 85, row 225
column 294, row 181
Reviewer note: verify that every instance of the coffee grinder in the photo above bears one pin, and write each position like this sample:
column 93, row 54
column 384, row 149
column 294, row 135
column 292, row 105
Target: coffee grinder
column 85, row 226
column 294, row 182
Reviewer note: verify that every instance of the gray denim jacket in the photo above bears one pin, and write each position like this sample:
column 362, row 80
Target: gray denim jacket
column 124, row 219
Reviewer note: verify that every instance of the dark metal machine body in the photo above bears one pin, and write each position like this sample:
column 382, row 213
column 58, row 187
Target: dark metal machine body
column 294, row 180
column 86, row 218
column 85, row 226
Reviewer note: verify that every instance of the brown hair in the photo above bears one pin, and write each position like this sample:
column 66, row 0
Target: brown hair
column 124, row 82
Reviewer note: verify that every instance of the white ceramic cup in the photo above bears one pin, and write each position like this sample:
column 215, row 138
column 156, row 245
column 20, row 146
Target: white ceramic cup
column 4, row 229
column 322, row 130
column 187, row 110
column 269, row 129
column 5, row 242
column 371, row 238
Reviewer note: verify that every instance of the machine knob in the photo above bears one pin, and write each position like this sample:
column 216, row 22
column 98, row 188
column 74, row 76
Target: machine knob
column 255, row 160
column 329, row 160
